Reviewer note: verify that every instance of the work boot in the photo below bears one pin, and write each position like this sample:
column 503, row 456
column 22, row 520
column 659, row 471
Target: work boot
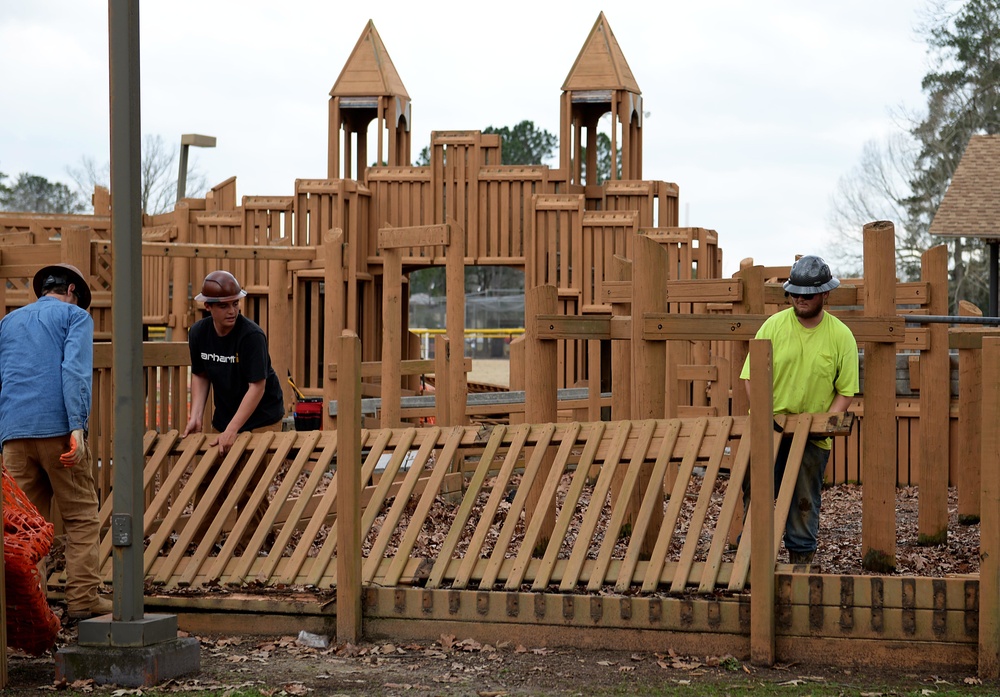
column 102, row 607
column 801, row 557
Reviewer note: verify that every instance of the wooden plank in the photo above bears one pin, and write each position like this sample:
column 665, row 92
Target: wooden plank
column 417, row 236
column 551, row 327
column 472, row 491
column 686, row 562
column 878, row 536
column 535, row 533
column 732, row 499
column 663, row 327
column 543, row 575
column 441, row 468
column 622, row 505
column 534, row 464
column 258, row 452
column 595, row 508
column 761, row 514
column 935, row 399
column 400, row 502
column 518, row 435
column 989, row 527
column 217, row 251
column 220, row 474
column 655, row 497
column 286, row 530
column 242, row 569
column 348, row 534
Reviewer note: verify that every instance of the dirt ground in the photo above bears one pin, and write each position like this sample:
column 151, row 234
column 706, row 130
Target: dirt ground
column 491, row 371
column 452, row 667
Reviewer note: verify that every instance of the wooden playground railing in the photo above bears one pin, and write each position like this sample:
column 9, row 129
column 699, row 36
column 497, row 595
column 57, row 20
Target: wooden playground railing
column 409, row 476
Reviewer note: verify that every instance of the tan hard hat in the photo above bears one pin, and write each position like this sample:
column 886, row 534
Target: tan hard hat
column 57, row 274
column 220, row 287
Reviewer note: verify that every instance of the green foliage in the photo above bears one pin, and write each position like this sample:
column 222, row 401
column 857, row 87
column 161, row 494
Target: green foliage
column 905, row 179
column 424, row 158
column 34, row 194
column 963, row 99
column 603, row 160
column 524, row 144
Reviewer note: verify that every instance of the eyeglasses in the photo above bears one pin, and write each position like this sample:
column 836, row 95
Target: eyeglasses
column 807, row 296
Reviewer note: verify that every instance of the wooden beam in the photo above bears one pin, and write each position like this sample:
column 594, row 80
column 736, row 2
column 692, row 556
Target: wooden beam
column 989, row 528
column 217, row 251
column 418, row 236
column 878, row 447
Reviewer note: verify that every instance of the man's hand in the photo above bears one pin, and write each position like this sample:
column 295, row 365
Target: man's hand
column 77, row 449
column 225, row 441
column 193, row 426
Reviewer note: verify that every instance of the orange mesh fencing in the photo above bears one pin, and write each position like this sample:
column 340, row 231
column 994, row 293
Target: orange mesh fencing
column 27, row 538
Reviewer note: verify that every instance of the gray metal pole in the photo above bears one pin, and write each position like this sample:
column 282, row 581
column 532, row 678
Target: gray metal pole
column 182, row 171
column 951, row 319
column 126, row 308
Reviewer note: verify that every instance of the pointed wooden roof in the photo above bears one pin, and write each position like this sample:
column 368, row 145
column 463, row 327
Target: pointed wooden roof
column 971, row 205
column 601, row 65
column 369, row 71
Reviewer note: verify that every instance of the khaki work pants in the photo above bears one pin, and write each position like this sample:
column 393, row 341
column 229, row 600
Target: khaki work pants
column 34, row 464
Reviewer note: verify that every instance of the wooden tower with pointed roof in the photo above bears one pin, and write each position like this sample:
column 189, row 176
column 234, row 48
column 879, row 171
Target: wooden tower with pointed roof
column 599, row 82
column 369, row 88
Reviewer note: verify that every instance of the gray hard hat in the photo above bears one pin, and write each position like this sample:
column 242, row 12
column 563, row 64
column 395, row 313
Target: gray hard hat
column 810, row 275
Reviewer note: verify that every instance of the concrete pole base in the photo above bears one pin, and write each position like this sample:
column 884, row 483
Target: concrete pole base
column 129, row 666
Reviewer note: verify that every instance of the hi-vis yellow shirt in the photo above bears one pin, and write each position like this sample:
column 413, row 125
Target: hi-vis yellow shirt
column 811, row 366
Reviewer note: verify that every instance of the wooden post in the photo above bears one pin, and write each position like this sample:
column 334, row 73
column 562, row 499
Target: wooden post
column 649, row 270
column 762, row 624
column 540, row 394
column 279, row 324
column 752, row 280
column 75, row 249
column 989, row 530
column 752, row 303
column 621, row 351
column 970, row 410
column 442, row 378
column 935, row 402
column 392, row 341
column 349, row 490
column 333, row 318
column 878, row 442
column 455, row 314
column 517, row 374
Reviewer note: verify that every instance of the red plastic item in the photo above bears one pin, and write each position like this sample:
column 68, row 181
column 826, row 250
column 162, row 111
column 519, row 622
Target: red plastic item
column 27, row 538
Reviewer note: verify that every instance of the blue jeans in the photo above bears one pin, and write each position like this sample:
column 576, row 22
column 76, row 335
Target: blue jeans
column 802, row 524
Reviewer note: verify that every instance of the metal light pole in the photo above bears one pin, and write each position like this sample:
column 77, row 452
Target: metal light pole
column 187, row 140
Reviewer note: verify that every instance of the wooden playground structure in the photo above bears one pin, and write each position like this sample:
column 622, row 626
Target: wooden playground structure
column 568, row 521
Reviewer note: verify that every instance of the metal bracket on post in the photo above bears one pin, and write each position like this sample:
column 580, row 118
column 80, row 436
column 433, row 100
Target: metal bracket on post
column 121, row 530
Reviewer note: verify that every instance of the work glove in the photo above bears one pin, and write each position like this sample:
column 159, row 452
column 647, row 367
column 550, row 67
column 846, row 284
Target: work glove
column 77, row 449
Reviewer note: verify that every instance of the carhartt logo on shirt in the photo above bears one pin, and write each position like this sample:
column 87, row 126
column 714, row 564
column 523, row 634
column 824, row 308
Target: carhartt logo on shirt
column 218, row 359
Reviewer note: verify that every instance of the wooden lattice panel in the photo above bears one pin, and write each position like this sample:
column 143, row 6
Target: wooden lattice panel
column 446, row 507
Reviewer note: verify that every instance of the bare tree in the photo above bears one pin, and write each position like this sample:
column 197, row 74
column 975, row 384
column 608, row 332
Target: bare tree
column 158, row 176
column 875, row 189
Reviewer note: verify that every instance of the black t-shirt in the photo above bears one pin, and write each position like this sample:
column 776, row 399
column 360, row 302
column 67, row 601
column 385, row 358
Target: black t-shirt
column 231, row 363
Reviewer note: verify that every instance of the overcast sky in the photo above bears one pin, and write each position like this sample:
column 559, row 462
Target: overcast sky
column 754, row 110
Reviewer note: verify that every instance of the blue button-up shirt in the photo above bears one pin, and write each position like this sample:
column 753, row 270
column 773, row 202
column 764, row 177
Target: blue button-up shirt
column 46, row 369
